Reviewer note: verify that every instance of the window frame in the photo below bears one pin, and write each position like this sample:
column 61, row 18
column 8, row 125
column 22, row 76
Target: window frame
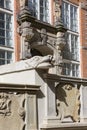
column 73, row 45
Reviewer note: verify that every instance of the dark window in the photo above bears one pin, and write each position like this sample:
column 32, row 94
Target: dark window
column 2, row 3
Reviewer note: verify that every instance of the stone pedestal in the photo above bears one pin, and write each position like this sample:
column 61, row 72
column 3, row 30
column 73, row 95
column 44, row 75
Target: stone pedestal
column 32, row 99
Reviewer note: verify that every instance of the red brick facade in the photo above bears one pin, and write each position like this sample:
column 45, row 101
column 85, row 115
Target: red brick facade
column 16, row 35
column 83, row 39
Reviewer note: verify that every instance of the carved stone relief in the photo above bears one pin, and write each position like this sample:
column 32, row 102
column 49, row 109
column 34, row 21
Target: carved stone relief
column 60, row 43
column 12, row 111
column 57, row 12
column 35, row 40
column 23, row 3
column 5, row 104
column 40, row 62
column 68, row 103
column 44, row 36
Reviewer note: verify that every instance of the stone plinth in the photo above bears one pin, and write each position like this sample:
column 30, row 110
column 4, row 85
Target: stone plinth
column 32, row 99
column 66, row 126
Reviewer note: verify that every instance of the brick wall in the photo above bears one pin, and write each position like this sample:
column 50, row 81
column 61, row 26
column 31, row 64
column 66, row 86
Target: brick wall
column 83, row 39
column 16, row 35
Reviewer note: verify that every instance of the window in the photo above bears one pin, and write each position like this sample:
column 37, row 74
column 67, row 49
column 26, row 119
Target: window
column 74, row 48
column 66, row 69
column 6, row 4
column 71, row 50
column 5, row 57
column 6, row 32
column 39, row 9
column 6, row 29
column 71, row 69
column 65, row 14
column 69, row 16
column 75, row 70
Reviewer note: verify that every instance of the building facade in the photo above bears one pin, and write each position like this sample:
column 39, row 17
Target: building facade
column 34, row 93
column 74, row 18
column 73, row 15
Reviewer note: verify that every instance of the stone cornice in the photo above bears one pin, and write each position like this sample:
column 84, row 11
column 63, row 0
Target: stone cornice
column 24, row 15
column 18, row 87
column 65, row 79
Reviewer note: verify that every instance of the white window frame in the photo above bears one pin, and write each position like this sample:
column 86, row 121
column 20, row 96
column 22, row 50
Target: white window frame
column 75, row 33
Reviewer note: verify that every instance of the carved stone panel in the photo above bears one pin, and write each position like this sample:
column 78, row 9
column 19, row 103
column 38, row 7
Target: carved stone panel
column 5, row 104
column 11, row 111
column 68, row 104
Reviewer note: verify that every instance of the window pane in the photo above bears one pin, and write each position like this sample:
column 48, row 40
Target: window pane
column 65, row 14
column 2, row 3
column 73, row 18
column 2, row 33
column 2, row 62
column 9, row 55
column 2, row 54
column 8, row 18
column 73, row 70
column 32, row 7
column 8, row 26
column 2, row 57
column 5, row 30
column 9, row 43
column 1, row 16
column 66, row 69
column 8, row 4
column 2, row 41
column 9, row 34
column 39, row 9
column 74, row 47
column 2, row 24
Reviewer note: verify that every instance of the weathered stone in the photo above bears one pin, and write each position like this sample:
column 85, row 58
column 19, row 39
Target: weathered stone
column 68, row 103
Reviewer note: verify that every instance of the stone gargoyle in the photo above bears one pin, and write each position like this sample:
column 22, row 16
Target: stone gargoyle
column 42, row 62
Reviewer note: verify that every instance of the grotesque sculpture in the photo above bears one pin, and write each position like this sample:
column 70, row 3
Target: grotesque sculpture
column 23, row 3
